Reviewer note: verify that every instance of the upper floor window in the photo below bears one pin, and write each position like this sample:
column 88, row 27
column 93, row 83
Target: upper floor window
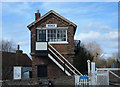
column 41, row 35
column 52, row 35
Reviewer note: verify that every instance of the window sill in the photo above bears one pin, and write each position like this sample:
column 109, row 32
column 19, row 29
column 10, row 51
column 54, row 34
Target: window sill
column 58, row 42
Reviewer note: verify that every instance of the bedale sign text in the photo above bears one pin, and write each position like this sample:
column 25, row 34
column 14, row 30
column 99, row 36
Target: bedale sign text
column 51, row 25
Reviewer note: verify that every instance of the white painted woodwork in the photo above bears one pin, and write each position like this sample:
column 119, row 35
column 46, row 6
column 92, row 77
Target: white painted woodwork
column 65, row 59
column 58, row 65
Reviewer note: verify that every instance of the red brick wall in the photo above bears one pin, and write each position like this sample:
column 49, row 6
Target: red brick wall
column 64, row 49
column 52, row 68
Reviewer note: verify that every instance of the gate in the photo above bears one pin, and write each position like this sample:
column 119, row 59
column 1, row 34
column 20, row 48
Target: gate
column 96, row 76
column 103, row 75
column 100, row 76
column 82, row 80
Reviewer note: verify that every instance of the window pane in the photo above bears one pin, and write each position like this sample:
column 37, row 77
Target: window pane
column 61, row 35
column 52, row 35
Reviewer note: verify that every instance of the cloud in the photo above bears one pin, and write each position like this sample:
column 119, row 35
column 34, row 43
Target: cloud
column 97, row 36
column 104, row 35
column 111, row 36
column 91, row 36
column 98, row 27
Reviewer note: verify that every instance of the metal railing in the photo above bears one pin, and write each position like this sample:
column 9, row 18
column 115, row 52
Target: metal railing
column 60, row 66
column 63, row 62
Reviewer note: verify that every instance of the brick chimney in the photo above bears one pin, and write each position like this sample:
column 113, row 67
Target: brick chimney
column 18, row 50
column 37, row 15
column 19, row 54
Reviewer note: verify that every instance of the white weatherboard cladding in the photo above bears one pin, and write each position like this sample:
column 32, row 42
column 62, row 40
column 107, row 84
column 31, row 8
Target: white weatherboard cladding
column 41, row 45
column 17, row 72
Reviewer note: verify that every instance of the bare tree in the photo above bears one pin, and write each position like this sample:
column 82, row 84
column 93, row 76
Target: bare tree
column 96, row 52
column 94, row 49
column 116, row 56
column 110, row 60
column 8, row 46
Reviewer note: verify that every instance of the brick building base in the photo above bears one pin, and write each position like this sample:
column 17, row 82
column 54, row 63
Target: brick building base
column 52, row 68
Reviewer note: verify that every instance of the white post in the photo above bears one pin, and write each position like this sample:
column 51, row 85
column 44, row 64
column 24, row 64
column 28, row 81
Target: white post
column 88, row 61
column 77, row 79
column 92, row 67
column 93, row 77
column 108, row 77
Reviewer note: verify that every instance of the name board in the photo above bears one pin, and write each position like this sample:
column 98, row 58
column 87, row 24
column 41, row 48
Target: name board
column 51, row 25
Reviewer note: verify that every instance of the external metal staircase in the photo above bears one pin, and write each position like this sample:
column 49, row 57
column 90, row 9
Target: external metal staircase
column 62, row 62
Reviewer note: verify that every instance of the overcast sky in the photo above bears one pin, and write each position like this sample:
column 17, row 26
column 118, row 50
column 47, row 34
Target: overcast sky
column 96, row 21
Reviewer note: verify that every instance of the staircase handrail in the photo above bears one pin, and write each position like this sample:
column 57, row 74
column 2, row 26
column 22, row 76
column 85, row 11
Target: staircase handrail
column 65, row 59
column 62, row 61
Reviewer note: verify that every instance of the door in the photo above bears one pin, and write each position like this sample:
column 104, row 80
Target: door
column 42, row 70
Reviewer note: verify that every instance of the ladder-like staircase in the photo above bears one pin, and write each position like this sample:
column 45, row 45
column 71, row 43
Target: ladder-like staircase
column 62, row 62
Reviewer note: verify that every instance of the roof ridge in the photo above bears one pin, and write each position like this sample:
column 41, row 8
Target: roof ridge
column 51, row 11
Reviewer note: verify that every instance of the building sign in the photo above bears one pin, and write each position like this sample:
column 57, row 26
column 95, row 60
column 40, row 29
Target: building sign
column 41, row 46
column 51, row 25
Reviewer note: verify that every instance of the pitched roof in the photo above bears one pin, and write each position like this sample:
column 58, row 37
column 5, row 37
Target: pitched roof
column 51, row 11
column 20, row 59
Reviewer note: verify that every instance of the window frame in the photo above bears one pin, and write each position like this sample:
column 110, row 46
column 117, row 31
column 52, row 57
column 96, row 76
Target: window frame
column 57, row 28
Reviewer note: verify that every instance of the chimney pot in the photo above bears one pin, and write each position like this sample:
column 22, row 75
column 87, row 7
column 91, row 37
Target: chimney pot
column 18, row 50
column 18, row 47
column 37, row 11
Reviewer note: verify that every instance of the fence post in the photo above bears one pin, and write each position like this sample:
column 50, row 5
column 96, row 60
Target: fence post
column 93, row 76
column 77, row 78
column 108, row 77
column 88, row 61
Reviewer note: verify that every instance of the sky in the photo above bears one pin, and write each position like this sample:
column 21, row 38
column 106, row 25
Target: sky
column 96, row 21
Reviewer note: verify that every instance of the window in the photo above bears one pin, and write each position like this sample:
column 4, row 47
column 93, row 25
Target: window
column 52, row 35
column 41, row 35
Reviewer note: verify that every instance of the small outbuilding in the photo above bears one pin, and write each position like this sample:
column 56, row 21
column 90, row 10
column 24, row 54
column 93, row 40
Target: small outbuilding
column 14, row 59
